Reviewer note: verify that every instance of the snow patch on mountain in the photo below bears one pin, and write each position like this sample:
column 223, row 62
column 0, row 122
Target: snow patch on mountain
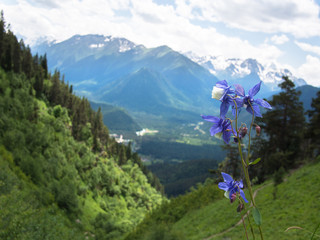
column 235, row 68
column 94, row 45
column 125, row 45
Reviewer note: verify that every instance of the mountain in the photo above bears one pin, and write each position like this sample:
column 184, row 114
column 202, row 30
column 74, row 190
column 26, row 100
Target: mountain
column 117, row 119
column 156, row 81
column 307, row 94
column 246, row 72
column 159, row 82
column 96, row 65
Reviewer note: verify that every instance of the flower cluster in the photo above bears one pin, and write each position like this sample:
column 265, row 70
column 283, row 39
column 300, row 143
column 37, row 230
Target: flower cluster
column 237, row 99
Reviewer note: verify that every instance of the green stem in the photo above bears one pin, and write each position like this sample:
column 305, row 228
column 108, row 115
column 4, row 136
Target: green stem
column 244, row 225
column 260, row 230
column 251, row 227
column 245, row 164
column 249, row 143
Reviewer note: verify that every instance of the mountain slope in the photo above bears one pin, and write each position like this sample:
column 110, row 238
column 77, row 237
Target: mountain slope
column 102, row 188
column 143, row 90
column 215, row 218
column 307, row 93
column 96, row 66
column 61, row 175
column 117, row 119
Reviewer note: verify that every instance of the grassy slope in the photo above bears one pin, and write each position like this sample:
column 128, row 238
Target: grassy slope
column 297, row 204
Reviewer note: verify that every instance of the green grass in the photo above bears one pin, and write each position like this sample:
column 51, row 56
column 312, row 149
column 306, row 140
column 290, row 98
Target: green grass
column 297, row 204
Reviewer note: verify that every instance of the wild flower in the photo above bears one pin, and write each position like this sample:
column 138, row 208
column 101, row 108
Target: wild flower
column 249, row 102
column 225, row 127
column 220, row 127
column 222, row 92
column 232, row 187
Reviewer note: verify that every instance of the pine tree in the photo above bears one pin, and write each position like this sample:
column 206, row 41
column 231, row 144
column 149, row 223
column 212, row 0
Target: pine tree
column 283, row 126
column 2, row 38
column 314, row 127
column 44, row 65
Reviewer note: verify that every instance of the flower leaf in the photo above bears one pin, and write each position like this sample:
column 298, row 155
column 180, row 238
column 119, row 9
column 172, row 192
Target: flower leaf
column 255, row 161
column 256, row 216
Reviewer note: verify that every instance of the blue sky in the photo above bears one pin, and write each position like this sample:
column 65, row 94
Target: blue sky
column 285, row 32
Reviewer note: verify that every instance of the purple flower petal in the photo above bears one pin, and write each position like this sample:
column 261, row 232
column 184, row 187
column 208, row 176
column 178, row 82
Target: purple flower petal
column 222, row 84
column 226, row 136
column 211, row 118
column 224, row 107
column 243, row 196
column 240, row 184
column 239, row 90
column 226, row 177
column 256, row 110
column 223, row 186
column 216, row 128
column 253, row 91
column 239, row 102
column 263, row 103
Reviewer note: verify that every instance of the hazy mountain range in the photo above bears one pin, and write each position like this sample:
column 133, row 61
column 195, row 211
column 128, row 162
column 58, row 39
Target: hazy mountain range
column 159, row 82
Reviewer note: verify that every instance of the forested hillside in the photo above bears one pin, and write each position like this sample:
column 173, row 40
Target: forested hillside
column 61, row 175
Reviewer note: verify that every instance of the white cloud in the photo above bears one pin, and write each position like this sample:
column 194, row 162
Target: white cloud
column 300, row 18
column 279, row 39
column 144, row 22
column 310, row 71
column 308, row 47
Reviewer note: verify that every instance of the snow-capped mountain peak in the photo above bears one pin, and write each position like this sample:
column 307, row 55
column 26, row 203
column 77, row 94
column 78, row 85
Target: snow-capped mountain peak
column 237, row 69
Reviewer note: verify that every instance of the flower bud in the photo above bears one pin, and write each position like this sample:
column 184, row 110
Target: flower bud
column 217, row 93
column 243, row 132
column 240, row 207
column 258, row 130
column 233, row 197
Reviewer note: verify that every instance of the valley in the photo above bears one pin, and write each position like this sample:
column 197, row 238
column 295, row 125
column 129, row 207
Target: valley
column 157, row 88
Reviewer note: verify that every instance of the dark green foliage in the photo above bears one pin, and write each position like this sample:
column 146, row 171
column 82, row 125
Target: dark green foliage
column 27, row 211
column 277, row 179
column 231, row 163
column 167, row 150
column 178, row 178
column 163, row 218
column 282, row 131
column 313, row 133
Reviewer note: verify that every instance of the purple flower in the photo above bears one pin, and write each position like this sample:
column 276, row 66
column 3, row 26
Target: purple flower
column 221, row 92
column 220, row 127
column 248, row 101
column 232, row 187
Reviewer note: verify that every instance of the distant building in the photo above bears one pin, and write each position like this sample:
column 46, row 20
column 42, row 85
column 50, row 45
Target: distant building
column 146, row 131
